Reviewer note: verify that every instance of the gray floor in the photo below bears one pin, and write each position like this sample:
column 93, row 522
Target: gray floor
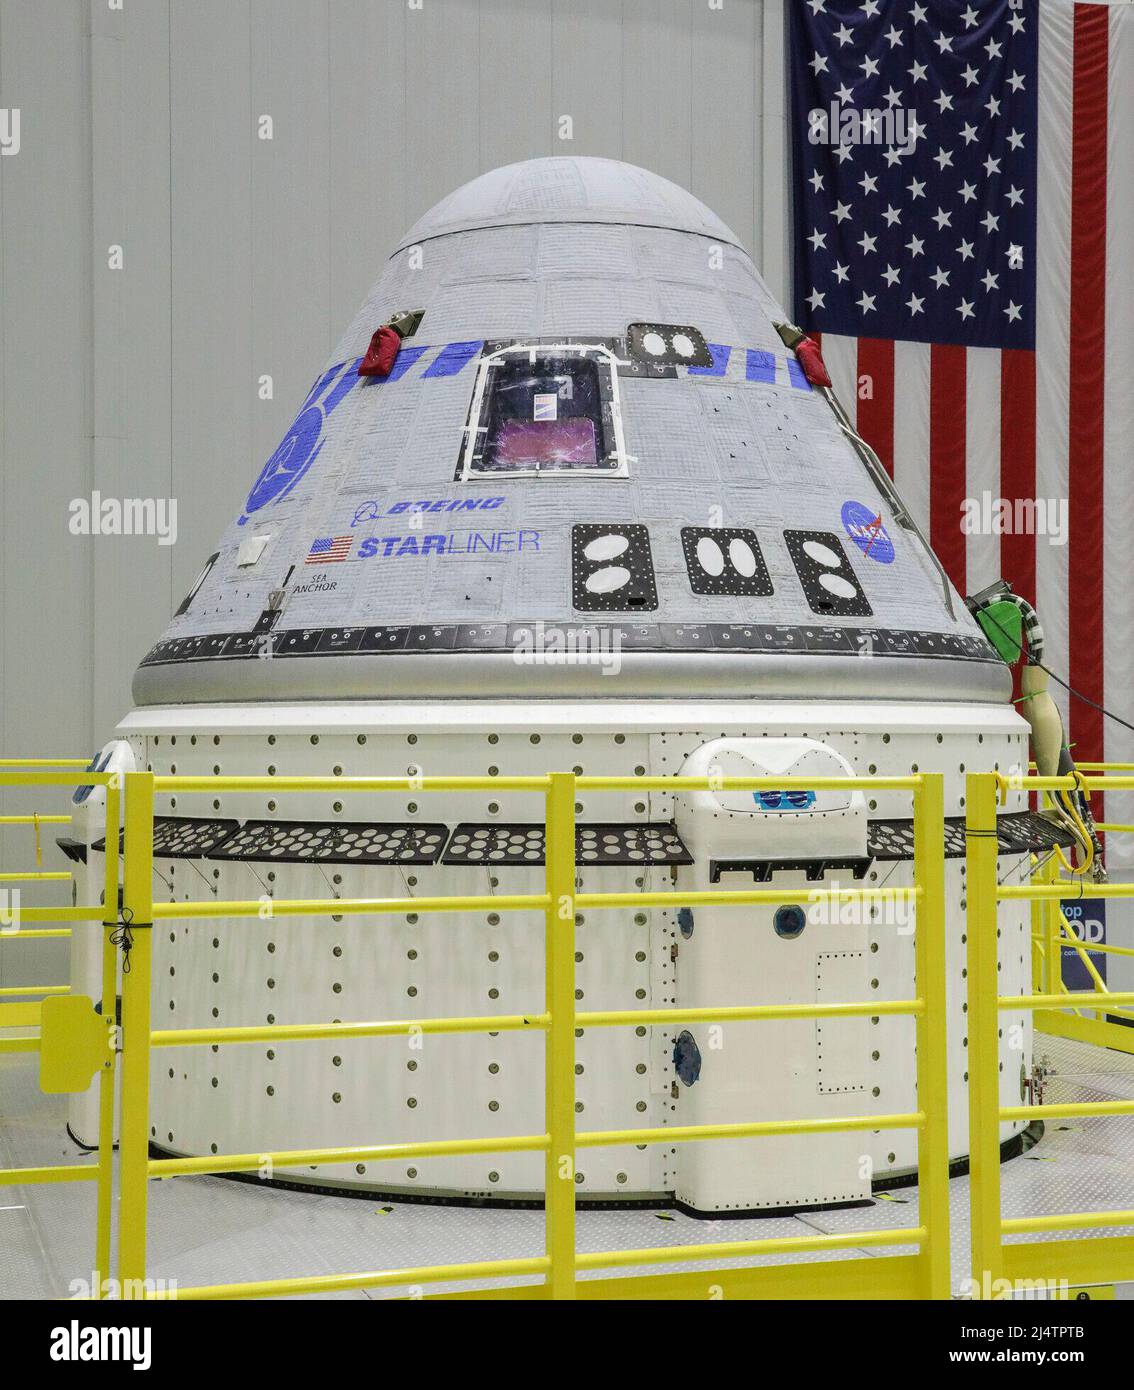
column 211, row 1230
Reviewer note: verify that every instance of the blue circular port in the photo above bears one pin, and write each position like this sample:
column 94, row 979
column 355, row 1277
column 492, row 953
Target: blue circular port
column 789, row 921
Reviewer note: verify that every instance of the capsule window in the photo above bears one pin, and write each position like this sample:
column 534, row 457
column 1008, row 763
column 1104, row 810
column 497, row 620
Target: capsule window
column 544, row 409
column 187, row 601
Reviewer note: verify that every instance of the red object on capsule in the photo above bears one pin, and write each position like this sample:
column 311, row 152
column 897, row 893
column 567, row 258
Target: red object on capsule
column 382, row 352
column 811, row 360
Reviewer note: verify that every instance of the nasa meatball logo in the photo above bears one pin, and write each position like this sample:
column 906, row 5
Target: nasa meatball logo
column 864, row 526
column 300, row 447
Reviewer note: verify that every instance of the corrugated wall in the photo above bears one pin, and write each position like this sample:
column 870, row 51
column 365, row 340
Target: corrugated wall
column 243, row 258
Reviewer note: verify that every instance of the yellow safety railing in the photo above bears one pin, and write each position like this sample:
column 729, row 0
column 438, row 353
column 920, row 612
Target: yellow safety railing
column 921, row 1275
column 36, row 1015
column 993, row 1261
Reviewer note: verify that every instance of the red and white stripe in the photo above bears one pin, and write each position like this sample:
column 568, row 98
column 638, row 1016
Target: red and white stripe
column 1058, row 423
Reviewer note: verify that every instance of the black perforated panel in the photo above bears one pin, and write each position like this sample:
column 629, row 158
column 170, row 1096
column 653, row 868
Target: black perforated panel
column 615, row 547
column 648, row 843
column 829, row 584
column 668, row 345
column 495, row 844
column 656, row 842
column 297, row 842
column 1021, row 831
column 1017, row 832
column 733, row 552
column 183, row 837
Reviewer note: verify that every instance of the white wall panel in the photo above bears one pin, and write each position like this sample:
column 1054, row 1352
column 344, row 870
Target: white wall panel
column 45, row 422
column 366, row 163
column 725, row 99
column 515, row 111
column 588, row 75
column 441, row 132
column 211, row 253
column 658, row 97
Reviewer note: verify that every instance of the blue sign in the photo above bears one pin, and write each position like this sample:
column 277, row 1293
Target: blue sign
column 784, row 801
column 1087, row 919
column 864, row 526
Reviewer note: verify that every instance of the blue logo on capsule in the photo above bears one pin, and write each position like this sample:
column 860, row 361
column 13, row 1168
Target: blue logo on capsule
column 784, row 801
column 300, row 447
column 865, row 528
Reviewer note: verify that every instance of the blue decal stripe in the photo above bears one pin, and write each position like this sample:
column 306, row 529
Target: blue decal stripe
column 452, row 357
column 720, row 355
column 320, row 385
column 796, row 375
column 761, row 366
column 348, row 379
column 403, row 362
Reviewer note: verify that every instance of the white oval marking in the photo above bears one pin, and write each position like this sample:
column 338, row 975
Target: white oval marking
column 653, row 343
column 742, row 557
column 683, row 345
column 837, row 585
column 821, row 554
column 709, row 556
column 607, row 547
column 605, row 581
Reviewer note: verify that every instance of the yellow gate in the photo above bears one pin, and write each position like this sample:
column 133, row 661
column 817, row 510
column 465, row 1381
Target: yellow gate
column 74, row 1040
column 997, row 1266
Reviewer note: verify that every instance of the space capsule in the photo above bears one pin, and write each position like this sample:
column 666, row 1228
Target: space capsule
column 597, row 513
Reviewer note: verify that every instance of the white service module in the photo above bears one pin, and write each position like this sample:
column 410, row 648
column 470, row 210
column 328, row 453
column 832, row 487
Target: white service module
column 794, row 952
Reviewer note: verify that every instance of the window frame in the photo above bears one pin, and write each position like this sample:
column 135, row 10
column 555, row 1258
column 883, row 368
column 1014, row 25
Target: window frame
column 607, row 361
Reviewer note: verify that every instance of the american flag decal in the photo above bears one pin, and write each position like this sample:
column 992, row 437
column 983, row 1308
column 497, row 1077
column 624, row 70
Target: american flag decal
column 327, row 550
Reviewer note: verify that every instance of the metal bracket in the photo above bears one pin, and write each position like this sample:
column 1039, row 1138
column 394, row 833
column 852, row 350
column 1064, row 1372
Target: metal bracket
column 74, row 1044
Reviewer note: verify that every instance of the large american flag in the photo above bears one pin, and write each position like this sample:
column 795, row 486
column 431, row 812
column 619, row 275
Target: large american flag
column 974, row 295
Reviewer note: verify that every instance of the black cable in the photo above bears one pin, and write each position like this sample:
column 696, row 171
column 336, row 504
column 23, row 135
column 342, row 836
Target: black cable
column 1086, row 699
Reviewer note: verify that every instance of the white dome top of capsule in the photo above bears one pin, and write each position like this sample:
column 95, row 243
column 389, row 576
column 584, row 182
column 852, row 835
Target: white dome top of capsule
column 569, row 189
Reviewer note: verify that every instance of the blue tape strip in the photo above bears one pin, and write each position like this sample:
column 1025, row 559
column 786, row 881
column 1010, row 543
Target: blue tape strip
column 452, row 357
column 346, row 383
column 720, row 354
column 404, row 361
column 796, row 375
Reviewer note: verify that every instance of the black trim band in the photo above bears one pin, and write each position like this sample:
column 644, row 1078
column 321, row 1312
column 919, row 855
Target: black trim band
column 768, row 638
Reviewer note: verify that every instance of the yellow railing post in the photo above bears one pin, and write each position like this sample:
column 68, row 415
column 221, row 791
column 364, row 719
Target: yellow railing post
column 932, row 1048
column 109, row 1013
column 559, row 1055
column 137, row 930
column 1052, row 910
column 983, row 1029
